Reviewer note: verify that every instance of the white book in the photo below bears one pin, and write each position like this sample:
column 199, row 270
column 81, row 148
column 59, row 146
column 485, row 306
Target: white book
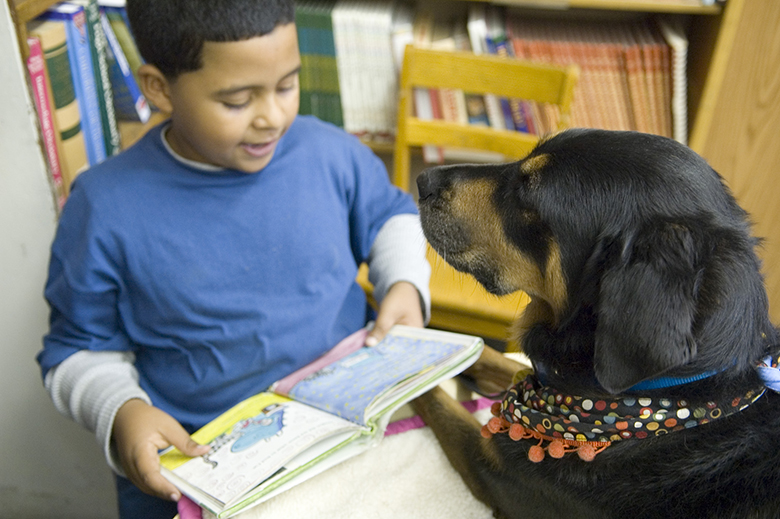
column 477, row 29
column 342, row 39
column 675, row 36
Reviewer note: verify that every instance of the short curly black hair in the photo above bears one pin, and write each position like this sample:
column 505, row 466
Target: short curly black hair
column 170, row 33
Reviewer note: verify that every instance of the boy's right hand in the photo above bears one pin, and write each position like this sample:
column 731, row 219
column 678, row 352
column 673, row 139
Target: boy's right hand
column 140, row 431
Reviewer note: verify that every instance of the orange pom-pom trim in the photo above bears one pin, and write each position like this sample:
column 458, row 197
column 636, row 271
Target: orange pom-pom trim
column 516, row 431
column 586, row 452
column 556, row 448
column 494, row 425
column 536, row 453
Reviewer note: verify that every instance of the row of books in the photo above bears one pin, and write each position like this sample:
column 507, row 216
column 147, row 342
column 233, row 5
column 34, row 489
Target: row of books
column 82, row 64
column 633, row 73
column 348, row 75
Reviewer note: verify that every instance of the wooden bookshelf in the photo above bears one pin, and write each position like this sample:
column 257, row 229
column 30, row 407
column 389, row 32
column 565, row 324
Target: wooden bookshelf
column 712, row 31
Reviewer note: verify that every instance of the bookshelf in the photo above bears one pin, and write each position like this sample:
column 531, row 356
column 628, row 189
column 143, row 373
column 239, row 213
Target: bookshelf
column 712, row 30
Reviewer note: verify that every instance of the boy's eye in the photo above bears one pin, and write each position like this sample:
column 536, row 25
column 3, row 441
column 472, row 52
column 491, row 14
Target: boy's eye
column 235, row 105
column 288, row 85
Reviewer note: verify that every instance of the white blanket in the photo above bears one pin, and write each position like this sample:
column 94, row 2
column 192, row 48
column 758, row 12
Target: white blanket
column 406, row 475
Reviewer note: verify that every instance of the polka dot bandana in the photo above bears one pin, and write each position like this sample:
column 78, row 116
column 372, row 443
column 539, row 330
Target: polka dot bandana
column 562, row 423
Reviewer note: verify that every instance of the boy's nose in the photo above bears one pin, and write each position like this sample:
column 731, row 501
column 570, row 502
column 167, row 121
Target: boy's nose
column 269, row 115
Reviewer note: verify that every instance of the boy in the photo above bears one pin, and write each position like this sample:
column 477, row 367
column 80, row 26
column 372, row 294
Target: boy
column 219, row 253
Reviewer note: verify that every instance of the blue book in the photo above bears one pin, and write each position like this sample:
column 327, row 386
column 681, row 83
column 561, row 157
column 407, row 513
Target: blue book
column 499, row 48
column 75, row 20
column 129, row 102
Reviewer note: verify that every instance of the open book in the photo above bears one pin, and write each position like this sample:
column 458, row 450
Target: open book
column 317, row 417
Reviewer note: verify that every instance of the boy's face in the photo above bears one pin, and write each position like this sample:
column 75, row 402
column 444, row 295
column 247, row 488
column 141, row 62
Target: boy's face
column 233, row 110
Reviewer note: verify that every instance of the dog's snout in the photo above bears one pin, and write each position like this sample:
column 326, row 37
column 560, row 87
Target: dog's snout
column 429, row 184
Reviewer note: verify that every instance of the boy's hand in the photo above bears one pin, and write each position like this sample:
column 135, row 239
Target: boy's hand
column 401, row 305
column 140, row 431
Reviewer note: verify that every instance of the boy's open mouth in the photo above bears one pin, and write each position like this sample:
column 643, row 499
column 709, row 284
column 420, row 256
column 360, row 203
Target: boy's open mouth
column 259, row 150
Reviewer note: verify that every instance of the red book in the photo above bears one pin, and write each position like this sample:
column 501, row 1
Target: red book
column 36, row 67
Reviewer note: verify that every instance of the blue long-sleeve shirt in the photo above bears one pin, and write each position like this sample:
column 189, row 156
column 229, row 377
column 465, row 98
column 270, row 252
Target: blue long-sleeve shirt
column 219, row 282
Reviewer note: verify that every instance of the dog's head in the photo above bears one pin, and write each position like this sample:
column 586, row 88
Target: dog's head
column 636, row 256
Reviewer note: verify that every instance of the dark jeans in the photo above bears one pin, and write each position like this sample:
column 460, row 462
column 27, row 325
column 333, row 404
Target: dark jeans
column 134, row 504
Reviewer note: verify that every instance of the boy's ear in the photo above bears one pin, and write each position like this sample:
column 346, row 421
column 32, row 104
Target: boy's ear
column 155, row 87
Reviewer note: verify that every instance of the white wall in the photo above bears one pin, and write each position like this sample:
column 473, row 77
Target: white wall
column 49, row 466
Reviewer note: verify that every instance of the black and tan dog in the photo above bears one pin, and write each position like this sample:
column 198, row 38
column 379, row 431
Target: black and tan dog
column 647, row 323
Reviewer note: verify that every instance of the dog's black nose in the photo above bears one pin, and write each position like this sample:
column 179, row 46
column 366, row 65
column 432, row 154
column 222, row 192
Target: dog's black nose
column 429, row 184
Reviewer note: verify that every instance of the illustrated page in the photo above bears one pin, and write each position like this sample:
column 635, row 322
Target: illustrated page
column 347, row 387
column 251, row 442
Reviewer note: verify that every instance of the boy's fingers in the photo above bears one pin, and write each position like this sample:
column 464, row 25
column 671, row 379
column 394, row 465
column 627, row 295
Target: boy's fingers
column 149, row 479
column 376, row 334
column 177, row 436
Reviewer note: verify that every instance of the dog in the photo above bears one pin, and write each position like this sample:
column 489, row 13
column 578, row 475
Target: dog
column 648, row 331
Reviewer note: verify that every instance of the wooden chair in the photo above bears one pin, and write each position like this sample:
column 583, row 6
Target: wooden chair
column 458, row 302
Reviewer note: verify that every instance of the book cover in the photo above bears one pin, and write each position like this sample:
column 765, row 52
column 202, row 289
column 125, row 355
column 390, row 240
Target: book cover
column 306, row 78
column 674, row 34
column 117, row 17
column 67, row 118
column 477, row 31
column 315, row 418
column 345, row 40
column 453, row 101
column 75, row 21
column 97, row 40
column 495, row 42
column 514, row 117
column 129, row 102
column 476, row 112
column 426, row 100
column 665, row 86
column 44, row 105
column 330, row 95
column 637, row 85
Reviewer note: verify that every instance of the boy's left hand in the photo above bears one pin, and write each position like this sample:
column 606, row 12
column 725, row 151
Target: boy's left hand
column 401, row 305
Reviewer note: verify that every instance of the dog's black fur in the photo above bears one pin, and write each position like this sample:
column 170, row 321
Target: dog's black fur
column 639, row 263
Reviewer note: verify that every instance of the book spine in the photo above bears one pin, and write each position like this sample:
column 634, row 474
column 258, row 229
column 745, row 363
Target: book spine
column 117, row 16
column 97, row 39
column 517, row 114
column 477, row 32
column 305, row 77
column 332, row 84
column 36, row 67
column 83, row 79
column 498, row 48
column 129, row 103
column 67, row 118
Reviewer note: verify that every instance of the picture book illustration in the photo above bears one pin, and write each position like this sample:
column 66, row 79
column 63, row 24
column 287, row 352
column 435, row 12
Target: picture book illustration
column 348, row 387
column 253, row 447
column 246, row 433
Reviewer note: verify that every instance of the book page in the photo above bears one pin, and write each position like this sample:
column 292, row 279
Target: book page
column 350, row 385
column 251, row 442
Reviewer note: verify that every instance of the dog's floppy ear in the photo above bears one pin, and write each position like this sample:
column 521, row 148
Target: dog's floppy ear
column 646, row 305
